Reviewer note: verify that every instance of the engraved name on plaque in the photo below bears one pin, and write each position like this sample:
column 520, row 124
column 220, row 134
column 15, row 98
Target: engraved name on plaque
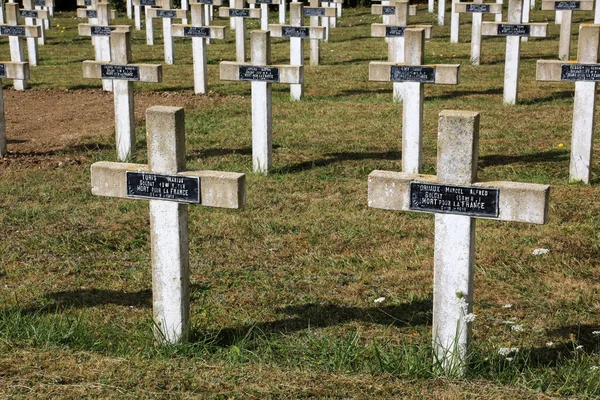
column 239, row 12
column 474, row 201
column 96, row 30
column 408, row 73
column 314, row 12
column 196, row 31
column 567, row 5
column 262, row 74
column 580, row 72
column 295, row 31
column 478, row 8
column 184, row 189
column 514, row 30
column 12, row 30
column 127, row 72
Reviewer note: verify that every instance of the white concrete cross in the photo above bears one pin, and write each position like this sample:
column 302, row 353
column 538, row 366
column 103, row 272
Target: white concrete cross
column 45, row 5
column 282, row 11
column 296, row 31
column 456, row 198
column 101, row 32
column 332, row 21
column 477, row 9
column 566, row 7
column 454, row 22
column 33, row 17
column 16, row 33
column 394, row 34
column 262, row 76
column 148, row 5
column 199, row 34
column 208, row 11
column 264, row 11
column 123, row 73
column 238, row 15
column 585, row 73
column 413, row 73
column 316, row 12
column 167, row 14
column 441, row 12
column 513, row 30
column 90, row 12
column 169, row 188
column 10, row 70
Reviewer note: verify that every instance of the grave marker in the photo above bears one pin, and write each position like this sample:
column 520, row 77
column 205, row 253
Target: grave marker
column 16, row 33
column 199, row 34
column 297, row 32
column 477, row 9
column 10, row 70
column 413, row 74
column 148, row 5
column 167, row 14
column 123, row 73
column 566, row 8
column 33, row 17
column 457, row 198
column 238, row 16
column 264, row 11
column 513, row 30
column 315, row 12
column 585, row 73
column 261, row 75
column 169, row 188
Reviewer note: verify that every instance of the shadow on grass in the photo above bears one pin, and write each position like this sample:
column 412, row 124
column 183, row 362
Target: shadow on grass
column 566, row 94
column 219, row 152
column 353, row 61
column 544, row 156
column 458, row 93
column 353, row 92
column 333, row 158
column 79, row 150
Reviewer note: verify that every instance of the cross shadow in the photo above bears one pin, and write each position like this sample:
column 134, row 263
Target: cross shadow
column 458, row 93
column 502, row 61
column 221, row 152
column 352, row 92
column 353, row 61
column 565, row 94
column 544, row 156
column 72, row 150
column 16, row 141
column 333, row 158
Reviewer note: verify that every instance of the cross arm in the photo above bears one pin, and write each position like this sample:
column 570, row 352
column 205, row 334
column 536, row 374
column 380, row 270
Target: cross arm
column 518, row 202
column 377, row 9
column 230, row 71
column 155, row 13
column 491, row 8
column 14, row 70
column 327, row 13
column 252, row 12
column 48, row 3
column 82, row 3
column 215, row 32
column 582, row 5
column 217, row 188
column 208, row 2
column 145, row 72
column 379, row 30
column 20, row 30
column 39, row 14
column 489, row 28
column 264, row 1
column 550, row 70
column 314, row 32
column 445, row 74
column 86, row 29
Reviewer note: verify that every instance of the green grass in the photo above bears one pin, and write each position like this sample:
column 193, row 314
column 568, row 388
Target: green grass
column 283, row 290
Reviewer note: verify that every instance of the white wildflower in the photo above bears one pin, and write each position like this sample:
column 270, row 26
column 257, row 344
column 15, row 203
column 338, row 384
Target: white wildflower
column 596, row 333
column 462, row 303
column 594, row 368
column 509, row 359
column 539, row 252
column 379, row 300
column 507, row 305
column 549, row 344
column 579, row 347
column 517, row 328
column 508, row 322
column 469, row 317
column 504, row 351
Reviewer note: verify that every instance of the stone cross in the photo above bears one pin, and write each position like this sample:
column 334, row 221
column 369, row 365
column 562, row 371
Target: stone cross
column 316, row 12
column 238, row 15
column 513, row 30
column 10, row 70
column 585, row 73
column 393, row 31
column 16, row 33
column 45, row 5
column 148, row 5
column 332, row 21
column 413, row 73
column 101, row 33
column 282, row 10
column 441, row 12
column 477, row 9
column 91, row 12
column 199, row 34
column 169, row 188
column 567, row 8
column 297, row 32
column 457, row 198
column 34, row 17
column 208, row 11
column 264, row 11
column 123, row 73
column 167, row 14
column 262, row 76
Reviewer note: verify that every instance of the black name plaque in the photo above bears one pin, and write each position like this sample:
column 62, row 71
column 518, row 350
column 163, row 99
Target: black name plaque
column 463, row 200
column 97, row 30
column 264, row 1
column 166, row 14
column 580, row 72
column 567, row 5
column 183, row 189
column 295, row 31
column 239, row 12
column 388, row 10
column 395, row 31
column 478, row 8
column 261, row 74
column 196, row 31
column 42, row 3
column 151, row 3
column 2, row 70
column 91, row 14
column 314, row 12
column 209, row 2
column 29, row 14
column 7, row 30
column 408, row 73
column 126, row 72
column 513, row 30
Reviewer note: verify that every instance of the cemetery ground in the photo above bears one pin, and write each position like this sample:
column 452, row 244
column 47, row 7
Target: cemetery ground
column 306, row 292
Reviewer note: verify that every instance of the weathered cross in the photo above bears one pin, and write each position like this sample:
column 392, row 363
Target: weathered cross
column 296, row 32
column 316, row 12
column 208, row 11
column 123, row 74
column 148, row 5
column 264, row 11
column 413, row 74
column 457, row 199
column 332, row 21
column 262, row 76
column 167, row 14
column 10, row 70
column 585, row 73
column 16, row 33
column 238, row 15
column 477, row 9
column 199, row 34
column 567, row 7
column 90, row 11
column 45, row 5
column 170, row 188
column 394, row 34
column 101, row 33
column 513, row 30
column 33, row 17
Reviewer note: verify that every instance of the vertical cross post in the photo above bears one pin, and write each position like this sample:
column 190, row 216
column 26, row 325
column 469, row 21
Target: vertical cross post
column 167, row 14
column 170, row 189
column 316, row 12
column 441, row 12
column 456, row 198
column 264, row 11
column 10, row 70
column 282, row 11
column 566, row 8
column 454, row 22
column 31, row 18
column 238, row 14
column 477, row 9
